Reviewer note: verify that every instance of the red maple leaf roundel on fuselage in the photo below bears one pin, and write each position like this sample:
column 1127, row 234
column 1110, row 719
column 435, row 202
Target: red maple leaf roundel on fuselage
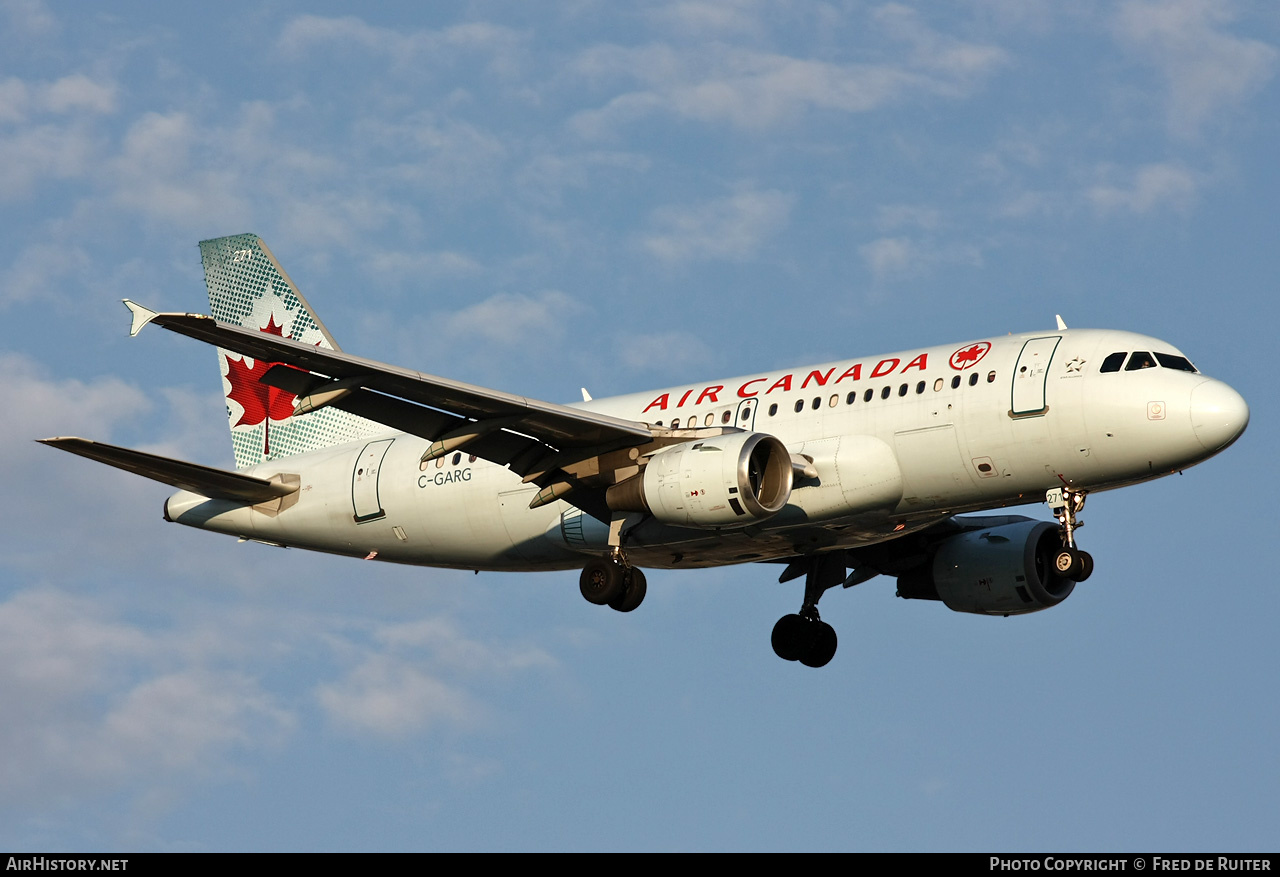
column 967, row 357
column 258, row 400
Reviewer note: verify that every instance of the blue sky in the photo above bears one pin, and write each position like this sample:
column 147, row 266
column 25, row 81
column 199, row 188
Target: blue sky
column 539, row 197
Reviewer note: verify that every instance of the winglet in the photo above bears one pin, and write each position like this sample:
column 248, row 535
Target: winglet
column 586, row 397
column 1061, row 325
column 141, row 316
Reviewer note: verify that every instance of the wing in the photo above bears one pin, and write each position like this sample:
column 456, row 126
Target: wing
column 540, row 441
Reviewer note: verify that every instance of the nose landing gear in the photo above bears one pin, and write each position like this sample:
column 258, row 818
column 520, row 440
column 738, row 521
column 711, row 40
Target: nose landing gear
column 1069, row 562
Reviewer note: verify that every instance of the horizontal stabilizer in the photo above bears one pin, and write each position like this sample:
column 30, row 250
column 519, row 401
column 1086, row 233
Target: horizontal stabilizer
column 204, row 480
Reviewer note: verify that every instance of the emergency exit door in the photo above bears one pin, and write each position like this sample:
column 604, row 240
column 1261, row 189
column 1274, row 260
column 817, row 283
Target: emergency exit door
column 365, row 500
column 1030, row 375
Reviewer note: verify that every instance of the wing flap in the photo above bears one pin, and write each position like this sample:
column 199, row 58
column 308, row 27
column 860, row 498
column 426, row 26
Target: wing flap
column 204, row 480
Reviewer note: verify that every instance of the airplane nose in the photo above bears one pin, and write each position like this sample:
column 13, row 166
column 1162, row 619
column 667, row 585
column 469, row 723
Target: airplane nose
column 1218, row 414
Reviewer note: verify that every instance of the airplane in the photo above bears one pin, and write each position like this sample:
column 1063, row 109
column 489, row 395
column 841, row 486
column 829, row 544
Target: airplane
column 839, row 472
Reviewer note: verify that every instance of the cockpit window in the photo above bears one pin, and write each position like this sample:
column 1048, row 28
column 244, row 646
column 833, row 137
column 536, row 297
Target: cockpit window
column 1140, row 360
column 1172, row 360
column 1113, row 362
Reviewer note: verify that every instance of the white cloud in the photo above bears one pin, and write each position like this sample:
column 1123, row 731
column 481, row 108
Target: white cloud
column 394, row 699
column 663, row 353
column 40, row 270
column 511, row 319
column 891, row 216
column 38, row 406
column 28, row 18
column 307, row 33
column 887, row 257
column 710, row 17
column 961, row 61
column 725, row 228
column 395, row 688
column 1165, row 185
column 78, row 92
column 900, row 257
column 1207, row 69
column 757, row 90
column 748, row 89
column 92, row 701
column 416, row 267
column 70, row 94
column 32, row 154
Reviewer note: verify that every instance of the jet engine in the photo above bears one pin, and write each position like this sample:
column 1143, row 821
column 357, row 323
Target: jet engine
column 1002, row 570
column 728, row 480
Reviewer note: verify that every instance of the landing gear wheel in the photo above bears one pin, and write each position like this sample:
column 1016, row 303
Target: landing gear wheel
column 1086, row 566
column 823, row 647
column 603, row 581
column 791, row 637
column 1067, row 564
column 634, row 592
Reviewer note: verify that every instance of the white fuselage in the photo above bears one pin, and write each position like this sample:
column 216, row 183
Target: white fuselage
column 896, row 443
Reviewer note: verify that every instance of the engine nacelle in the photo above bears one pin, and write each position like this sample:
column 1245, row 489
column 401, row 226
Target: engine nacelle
column 1004, row 570
column 724, row 481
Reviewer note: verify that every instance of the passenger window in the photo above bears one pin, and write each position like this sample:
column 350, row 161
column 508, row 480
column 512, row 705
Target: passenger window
column 973, row 379
column 919, row 388
column 937, row 385
column 726, row 416
column 457, row 458
column 955, row 382
column 799, row 405
column 1172, row 360
column 746, row 412
column 991, row 377
column 471, row 459
column 675, row 423
column 1140, row 360
column 884, row 394
column 773, row 409
column 867, row 396
column 1113, row 362
column 902, row 391
column 851, row 398
column 817, row 402
column 709, row 419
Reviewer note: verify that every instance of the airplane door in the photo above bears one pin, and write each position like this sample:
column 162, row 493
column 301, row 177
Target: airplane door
column 365, row 501
column 746, row 415
column 1030, row 375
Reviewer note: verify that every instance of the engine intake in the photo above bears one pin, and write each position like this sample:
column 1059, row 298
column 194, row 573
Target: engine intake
column 724, row 481
column 1004, row 570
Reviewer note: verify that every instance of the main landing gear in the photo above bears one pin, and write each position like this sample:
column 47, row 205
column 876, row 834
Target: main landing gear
column 611, row 581
column 804, row 636
column 1069, row 562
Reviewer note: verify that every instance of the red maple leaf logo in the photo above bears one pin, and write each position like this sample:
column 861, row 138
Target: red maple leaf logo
column 261, row 403
column 968, row 356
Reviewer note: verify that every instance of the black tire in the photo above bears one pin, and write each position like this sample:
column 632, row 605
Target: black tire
column 792, row 637
column 1086, row 566
column 602, row 581
column 633, row 595
column 1067, row 564
column 823, row 647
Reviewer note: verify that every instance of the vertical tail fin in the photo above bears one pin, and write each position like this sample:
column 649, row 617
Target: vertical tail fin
column 247, row 287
